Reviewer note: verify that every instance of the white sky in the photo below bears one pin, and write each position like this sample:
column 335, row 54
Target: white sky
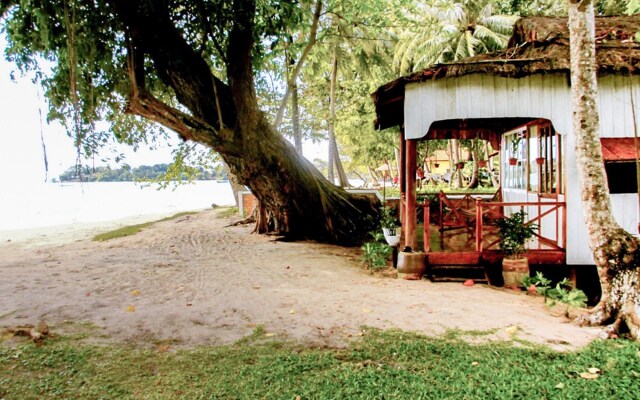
column 21, row 155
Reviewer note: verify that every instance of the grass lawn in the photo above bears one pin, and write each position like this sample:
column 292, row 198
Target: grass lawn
column 381, row 364
column 133, row 229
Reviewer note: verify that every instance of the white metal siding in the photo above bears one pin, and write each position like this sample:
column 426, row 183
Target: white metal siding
column 537, row 96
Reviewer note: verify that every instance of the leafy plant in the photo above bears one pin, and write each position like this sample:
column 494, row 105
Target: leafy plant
column 375, row 254
column 389, row 219
column 514, row 233
column 563, row 291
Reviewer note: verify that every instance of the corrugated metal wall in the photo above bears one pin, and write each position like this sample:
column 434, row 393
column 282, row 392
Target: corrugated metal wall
column 538, row 96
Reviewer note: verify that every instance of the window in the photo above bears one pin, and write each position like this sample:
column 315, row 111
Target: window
column 514, row 165
column 533, row 159
column 621, row 177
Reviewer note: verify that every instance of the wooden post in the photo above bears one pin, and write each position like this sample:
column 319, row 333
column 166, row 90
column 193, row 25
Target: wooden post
column 401, row 178
column 478, row 224
column 410, row 220
column 426, row 231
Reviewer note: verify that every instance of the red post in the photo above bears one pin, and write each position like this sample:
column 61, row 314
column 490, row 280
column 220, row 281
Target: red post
column 478, row 224
column 410, row 220
column 425, row 230
column 401, row 178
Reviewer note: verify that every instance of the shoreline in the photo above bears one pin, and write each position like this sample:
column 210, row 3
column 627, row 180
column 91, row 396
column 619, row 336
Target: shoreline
column 54, row 235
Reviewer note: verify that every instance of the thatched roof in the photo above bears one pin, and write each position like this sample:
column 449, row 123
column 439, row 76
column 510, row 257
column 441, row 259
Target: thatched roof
column 538, row 45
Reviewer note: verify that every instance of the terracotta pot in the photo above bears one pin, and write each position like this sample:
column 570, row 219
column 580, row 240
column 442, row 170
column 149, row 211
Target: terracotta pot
column 411, row 265
column 514, row 270
column 540, row 160
column 460, row 165
column 482, row 163
column 513, row 161
column 436, row 165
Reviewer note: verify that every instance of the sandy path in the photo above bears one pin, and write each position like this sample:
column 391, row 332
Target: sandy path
column 194, row 281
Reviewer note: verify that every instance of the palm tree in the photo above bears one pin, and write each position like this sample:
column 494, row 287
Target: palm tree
column 446, row 31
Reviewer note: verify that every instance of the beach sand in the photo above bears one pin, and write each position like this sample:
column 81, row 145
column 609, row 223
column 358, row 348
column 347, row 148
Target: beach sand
column 195, row 280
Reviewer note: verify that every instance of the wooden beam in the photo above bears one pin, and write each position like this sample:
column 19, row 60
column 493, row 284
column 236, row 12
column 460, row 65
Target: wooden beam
column 401, row 179
column 410, row 219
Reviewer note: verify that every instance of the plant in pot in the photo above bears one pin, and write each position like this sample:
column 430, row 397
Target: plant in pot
column 514, row 233
column 390, row 225
column 513, row 160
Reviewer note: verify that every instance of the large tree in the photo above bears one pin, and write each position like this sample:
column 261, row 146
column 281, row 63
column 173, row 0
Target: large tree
column 616, row 252
column 188, row 65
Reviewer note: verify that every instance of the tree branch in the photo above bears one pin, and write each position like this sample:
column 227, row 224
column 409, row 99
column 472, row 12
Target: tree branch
column 296, row 71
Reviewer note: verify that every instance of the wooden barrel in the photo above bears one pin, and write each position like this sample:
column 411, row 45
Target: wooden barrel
column 514, row 271
column 411, row 265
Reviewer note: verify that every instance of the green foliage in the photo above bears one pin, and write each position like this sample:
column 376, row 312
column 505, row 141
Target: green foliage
column 563, row 291
column 382, row 364
column 389, row 217
column 514, row 233
column 133, row 229
column 375, row 254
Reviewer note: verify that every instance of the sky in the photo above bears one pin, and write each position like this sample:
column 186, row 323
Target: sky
column 21, row 153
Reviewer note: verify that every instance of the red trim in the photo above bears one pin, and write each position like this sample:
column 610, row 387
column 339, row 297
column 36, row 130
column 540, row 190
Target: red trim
column 618, row 149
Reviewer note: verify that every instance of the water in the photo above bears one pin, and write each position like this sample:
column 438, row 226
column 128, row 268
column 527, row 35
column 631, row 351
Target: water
column 54, row 204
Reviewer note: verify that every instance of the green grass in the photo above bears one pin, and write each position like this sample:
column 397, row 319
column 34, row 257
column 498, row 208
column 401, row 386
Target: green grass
column 133, row 229
column 225, row 212
column 383, row 364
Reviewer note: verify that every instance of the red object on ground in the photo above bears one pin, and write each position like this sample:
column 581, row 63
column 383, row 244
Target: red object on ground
column 469, row 282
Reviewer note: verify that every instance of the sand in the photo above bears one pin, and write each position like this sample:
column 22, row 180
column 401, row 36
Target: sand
column 196, row 281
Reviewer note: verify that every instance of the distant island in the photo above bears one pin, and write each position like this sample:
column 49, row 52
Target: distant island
column 143, row 172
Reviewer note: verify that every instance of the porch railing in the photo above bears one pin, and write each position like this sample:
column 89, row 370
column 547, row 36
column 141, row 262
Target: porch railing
column 550, row 217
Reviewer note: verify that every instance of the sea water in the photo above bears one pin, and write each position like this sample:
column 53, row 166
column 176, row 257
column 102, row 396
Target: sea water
column 53, row 204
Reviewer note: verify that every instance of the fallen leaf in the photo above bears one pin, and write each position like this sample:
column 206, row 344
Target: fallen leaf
column 588, row 375
column 475, row 364
column 269, row 334
column 292, row 311
column 163, row 348
column 135, row 292
column 559, row 386
column 366, row 310
column 256, row 286
column 469, row 282
column 594, row 370
column 87, row 294
column 130, row 308
column 189, row 304
column 512, row 329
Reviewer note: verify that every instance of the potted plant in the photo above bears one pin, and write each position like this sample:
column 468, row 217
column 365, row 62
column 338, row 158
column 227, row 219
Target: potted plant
column 513, row 160
column 390, row 226
column 514, row 233
column 482, row 163
column 460, row 165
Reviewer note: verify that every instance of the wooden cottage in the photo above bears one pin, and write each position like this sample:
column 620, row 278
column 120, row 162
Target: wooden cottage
column 520, row 101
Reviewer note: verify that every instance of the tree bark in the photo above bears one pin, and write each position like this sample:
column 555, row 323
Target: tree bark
column 614, row 250
column 456, row 160
column 494, row 181
column 296, row 200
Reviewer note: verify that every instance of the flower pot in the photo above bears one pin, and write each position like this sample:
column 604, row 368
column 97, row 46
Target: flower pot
column 436, row 165
column 392, row 236
column 514, row 270
column 411, row 265
column 482, row 163
column 540, row 160
column 513, row 161
column 460, row 165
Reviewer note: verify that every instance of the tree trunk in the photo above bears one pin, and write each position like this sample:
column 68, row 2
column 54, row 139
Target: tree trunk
column 295, row 119
column 236, row 186
column 333, row 145
column 494, row 181
column 296, row 200
column 475, row 175
column 456, row 159
column 614, row 250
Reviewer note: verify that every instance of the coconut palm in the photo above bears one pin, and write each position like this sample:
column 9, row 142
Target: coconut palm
column 445, row 31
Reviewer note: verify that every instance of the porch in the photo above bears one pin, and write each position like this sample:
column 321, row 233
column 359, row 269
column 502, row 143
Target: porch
column 459, row 233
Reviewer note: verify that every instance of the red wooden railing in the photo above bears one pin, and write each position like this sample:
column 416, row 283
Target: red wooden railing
column 493, row 209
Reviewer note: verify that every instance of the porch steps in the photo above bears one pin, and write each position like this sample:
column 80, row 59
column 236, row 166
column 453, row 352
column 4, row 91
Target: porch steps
column 459, row 266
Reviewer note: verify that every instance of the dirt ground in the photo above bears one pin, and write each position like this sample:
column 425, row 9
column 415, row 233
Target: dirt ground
column 194, row 280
